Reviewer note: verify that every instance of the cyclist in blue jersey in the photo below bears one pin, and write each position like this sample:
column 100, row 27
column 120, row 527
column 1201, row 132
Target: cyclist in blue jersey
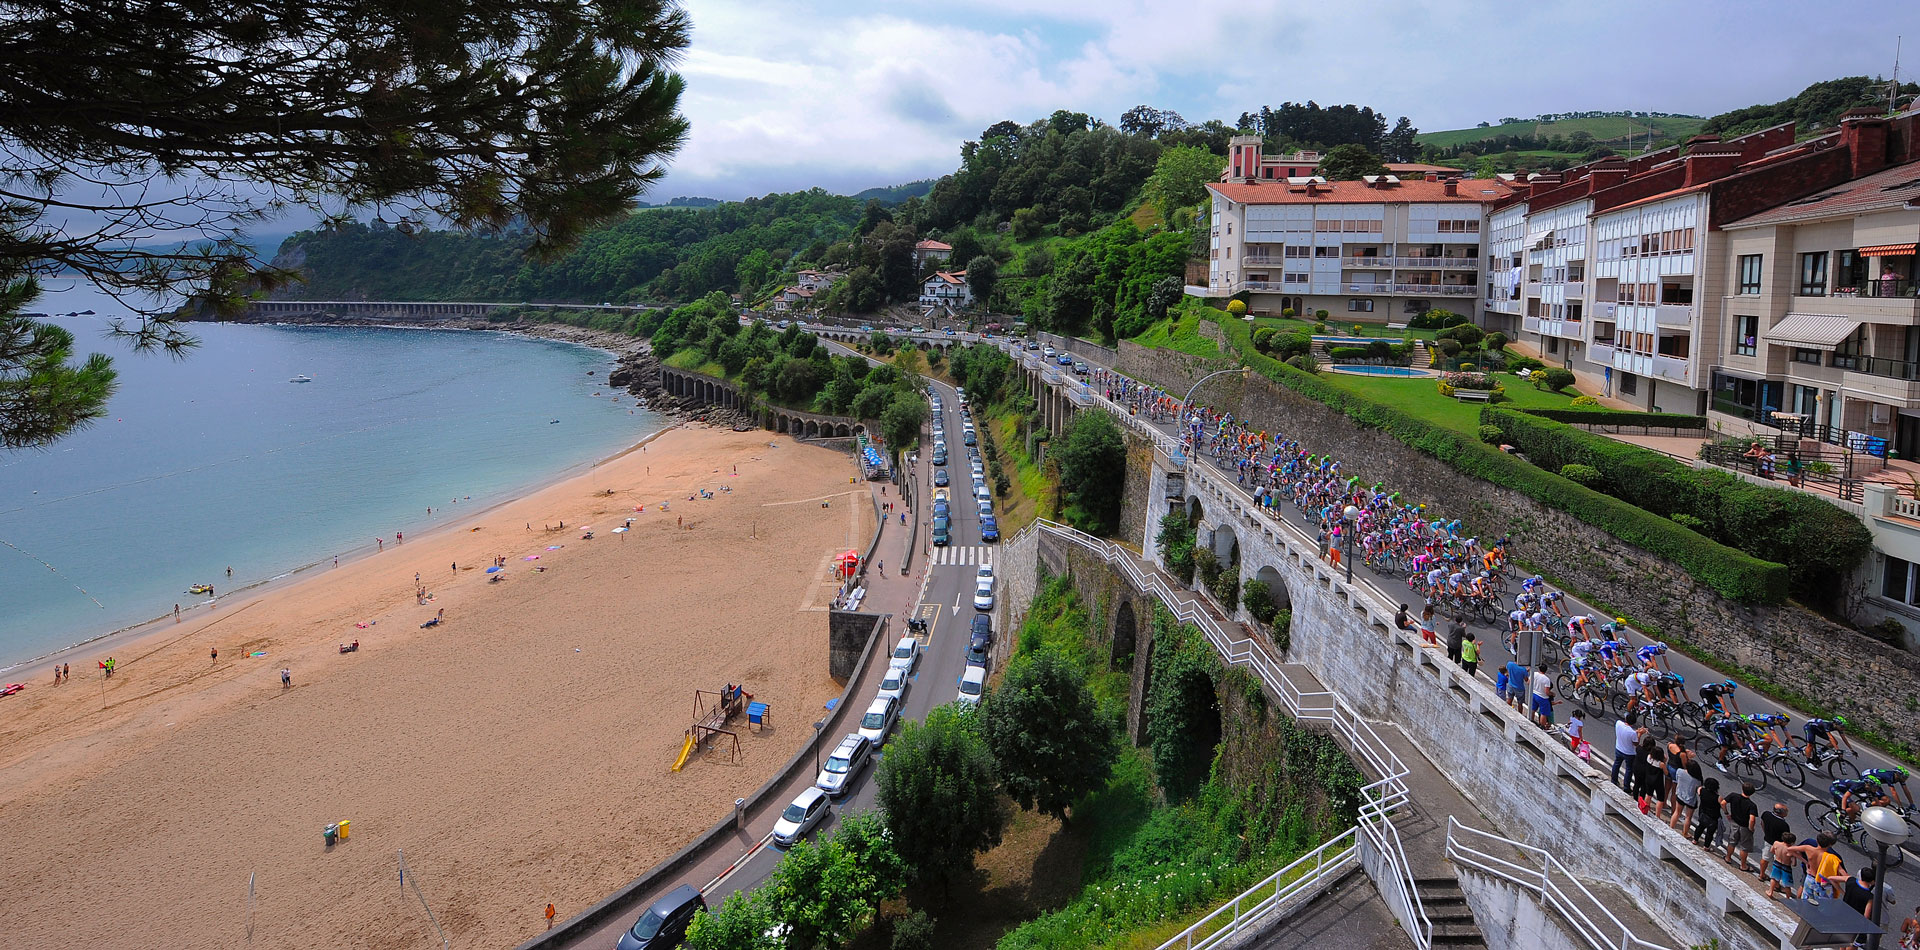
column 1830, row 732
column 1717, row 698
column 1653, row 656
column 1894, row 780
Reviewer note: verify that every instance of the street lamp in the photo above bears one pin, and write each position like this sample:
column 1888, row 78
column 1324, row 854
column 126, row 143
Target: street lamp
column 1351, row 519
column 818, row 727
column 1187, row 400
column 1889, row 830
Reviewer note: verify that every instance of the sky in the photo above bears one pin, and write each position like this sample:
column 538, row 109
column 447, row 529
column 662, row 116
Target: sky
column 788, row 95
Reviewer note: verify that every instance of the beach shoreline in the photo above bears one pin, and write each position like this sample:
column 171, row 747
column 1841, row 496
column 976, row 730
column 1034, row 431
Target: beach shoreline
column 616, row 346
column 207, row 769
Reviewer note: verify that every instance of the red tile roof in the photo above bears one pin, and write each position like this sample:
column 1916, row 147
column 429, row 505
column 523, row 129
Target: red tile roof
column 1637, row 202
column 932, row 246
column 951, row 277
column 1416, row 168
column 1889, row 188
column 1357, row 192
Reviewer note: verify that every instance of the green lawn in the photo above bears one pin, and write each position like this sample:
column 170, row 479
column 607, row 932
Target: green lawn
column 1181, row 334
column 1607, row 129
column 1338, row 328
column 1421, row 397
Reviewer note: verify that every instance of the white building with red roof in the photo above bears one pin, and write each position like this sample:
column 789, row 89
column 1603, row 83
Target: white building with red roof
column 930, row 251
column 948, row 289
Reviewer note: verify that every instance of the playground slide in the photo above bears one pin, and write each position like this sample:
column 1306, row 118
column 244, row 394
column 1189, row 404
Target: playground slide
column 686, row 749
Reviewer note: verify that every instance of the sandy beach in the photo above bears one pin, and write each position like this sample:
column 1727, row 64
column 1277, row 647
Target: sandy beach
column 518, row 753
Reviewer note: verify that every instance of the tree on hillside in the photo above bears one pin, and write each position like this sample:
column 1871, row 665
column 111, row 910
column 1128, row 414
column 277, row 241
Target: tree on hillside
column 1049, row 739
column 139, row 141
column 1150, row 122
column 937, row 792
column 983, row 276
column 1403, row 144
column 1093, row 468
column 1179, row 180
column 901, row 420
column 824, row 893
column 1349, row 162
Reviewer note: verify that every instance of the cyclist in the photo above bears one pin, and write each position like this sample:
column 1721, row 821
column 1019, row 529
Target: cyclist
column 1613, row 646
column 1851, row 794
column 1551, row 601
column 1639, row 687
column 1671, row 686
column 1727, row 730
column 1832, row 732
column 1580, row 658
column 1713, row 694
column 1516, row 621
column 1526, row 601
column 1578, row 628
column 1894, row 780
column 1768, row 730
column 1534, row 583
column 1653, row 656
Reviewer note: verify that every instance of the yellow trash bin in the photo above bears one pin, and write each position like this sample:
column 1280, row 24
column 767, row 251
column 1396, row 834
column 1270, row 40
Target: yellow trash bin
column 343, row 830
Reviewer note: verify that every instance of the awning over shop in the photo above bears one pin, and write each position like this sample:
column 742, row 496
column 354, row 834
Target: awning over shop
column 1887, row 250
column 1817, row 331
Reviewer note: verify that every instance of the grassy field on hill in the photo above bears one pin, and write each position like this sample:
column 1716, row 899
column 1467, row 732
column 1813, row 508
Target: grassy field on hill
column 1608, row 130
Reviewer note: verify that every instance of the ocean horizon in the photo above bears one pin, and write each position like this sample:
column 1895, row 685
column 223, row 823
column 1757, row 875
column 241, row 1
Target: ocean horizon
column 220, row 460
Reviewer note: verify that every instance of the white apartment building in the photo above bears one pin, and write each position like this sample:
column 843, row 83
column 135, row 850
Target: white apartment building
column 1381, row 249
column 1652, row 260
column 1506, row 234
column 1553, row 288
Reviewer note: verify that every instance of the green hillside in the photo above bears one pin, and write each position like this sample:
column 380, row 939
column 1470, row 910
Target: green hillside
column 1606, row 130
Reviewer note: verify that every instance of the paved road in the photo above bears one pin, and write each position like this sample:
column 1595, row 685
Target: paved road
column 946, row 601
column 1904, row 879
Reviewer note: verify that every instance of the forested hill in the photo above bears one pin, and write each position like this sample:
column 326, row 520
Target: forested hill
column 655, row 254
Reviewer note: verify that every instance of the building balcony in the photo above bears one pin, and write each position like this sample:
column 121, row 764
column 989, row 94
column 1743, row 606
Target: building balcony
column 1601, row 352
column 1679, row 316
column 1442, row 263
column 1564, row 329
column 1872, row 302
column 1367, row 263
column 1436, row 290
column 1674, row 368
column 1264, row 260
column 1574, row 289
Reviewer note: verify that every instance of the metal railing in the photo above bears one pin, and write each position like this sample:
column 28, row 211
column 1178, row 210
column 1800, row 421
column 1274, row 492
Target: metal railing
column 1551, row 883
column 1290, row 885
column 1879, row 287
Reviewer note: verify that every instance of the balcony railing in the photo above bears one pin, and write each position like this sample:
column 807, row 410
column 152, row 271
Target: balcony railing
column 1264, row 260
column 1371, row 263
column 1437, row 290
column 1574, row 289
column 1673, row 315
column 1671, row 367
column 1443, row 263
column 1881, row 287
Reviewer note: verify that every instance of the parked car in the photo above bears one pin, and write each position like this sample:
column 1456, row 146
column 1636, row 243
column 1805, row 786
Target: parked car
column 1066, row 359
column 940, row 455
column 807, row 809
column 984, row 573
column 942, row 494
column 942, row 532
column 894, row 684
column 980, row 641
column 960, row 393
column 905, row 655
column 664, row 925
column 983, row 595
column 854, row 753
column 878, row 721
column 1080, row 368
column 1048, row 351
column 973, row 685
column 939, row 477
column 989, row 529
column 969, row 438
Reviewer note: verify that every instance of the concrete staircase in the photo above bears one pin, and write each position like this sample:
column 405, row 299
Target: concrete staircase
column 1446, row 906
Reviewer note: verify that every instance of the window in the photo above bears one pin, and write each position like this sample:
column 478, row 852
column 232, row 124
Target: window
column 1296, row 250
column 1553, row 345
column 1803, row 355
column 1849, row 272
column 1847, row 354
column 1326, row 252
column 1750, row 273
column 1745, row 329
column 1294, row 278
column 1813, row 274
column 1629, row 384
column 1359, row 306
column 1897, row 579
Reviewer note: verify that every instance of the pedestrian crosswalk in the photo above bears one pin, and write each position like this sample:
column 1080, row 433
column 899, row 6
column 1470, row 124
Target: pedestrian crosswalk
column 962, row 554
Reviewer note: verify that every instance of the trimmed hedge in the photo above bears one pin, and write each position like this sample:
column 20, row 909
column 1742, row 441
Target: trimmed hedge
column 1620, row 417
column 1820, row 542
column 1735, row 574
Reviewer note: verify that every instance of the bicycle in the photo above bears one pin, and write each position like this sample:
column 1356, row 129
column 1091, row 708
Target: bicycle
column 1753, row 765
column 1824, row 816
column 1836, row 762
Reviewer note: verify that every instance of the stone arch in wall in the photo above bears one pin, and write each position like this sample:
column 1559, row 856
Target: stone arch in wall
column 842, row 430
column 1126, row 630
column 1226, row 546
column 813, row 429
column 783, row 424
column 1276, row 587
column 1195, row 513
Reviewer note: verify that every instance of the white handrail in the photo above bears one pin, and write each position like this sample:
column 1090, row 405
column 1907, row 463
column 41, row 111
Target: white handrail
column 1578, row 906
column 1288, row 883
column 1380, row 799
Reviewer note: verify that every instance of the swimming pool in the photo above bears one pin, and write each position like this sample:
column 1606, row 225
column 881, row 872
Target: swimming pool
column 1380, row 370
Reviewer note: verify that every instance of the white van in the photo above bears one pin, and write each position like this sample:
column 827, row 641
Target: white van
column 973, row 684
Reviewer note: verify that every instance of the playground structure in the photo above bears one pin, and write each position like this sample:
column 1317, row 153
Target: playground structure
column 711, row 713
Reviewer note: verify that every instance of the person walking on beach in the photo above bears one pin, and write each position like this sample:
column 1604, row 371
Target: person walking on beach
column 176, row 613
column 213, row 655
column 66, row 671
column 382, row 542
column 286, row 678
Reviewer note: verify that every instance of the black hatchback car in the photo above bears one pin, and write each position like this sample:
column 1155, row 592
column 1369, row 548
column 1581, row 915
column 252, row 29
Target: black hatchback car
column 980, row 640
column 664, row 925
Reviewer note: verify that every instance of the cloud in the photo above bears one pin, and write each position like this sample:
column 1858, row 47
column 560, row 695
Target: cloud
column 794, row 94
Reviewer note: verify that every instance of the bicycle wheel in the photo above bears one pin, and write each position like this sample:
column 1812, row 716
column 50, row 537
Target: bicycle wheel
column 1819, row 815
column 1787, row 770
column 1747, row 769
column 1842, row 767
column 1688, row 720
column 1618, row 700
column 1563, row 685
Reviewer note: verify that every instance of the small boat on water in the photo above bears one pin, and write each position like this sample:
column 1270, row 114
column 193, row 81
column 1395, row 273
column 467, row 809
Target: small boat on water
column 200, row 589
column 302, row 378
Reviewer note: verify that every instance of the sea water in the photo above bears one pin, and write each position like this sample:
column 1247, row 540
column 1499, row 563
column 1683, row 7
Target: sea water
column 218, row 460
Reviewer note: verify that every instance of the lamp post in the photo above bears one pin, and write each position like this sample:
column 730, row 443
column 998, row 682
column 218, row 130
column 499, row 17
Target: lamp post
column 1187, row 400
column 818, row 728
column 1889, row 830
column 1350, row 519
